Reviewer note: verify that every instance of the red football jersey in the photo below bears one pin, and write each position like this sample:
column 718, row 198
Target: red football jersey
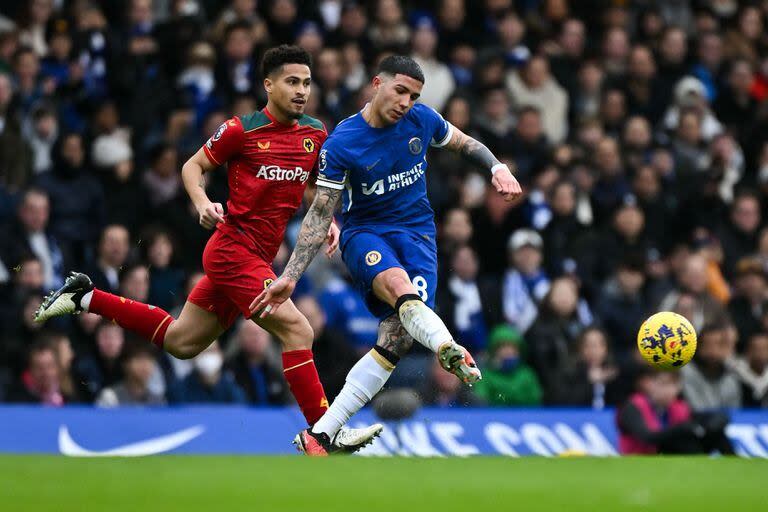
column 269, row 165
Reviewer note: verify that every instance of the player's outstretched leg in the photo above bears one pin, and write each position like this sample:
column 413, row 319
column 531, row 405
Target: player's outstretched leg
column 186, row 337
column 364, row 380
column 395, row 288
column 296, row 336
column 78, row 294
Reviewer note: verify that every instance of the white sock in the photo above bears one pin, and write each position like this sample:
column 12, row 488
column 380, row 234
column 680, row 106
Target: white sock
column 364, row 380
column 423, row 324
column 85, row 302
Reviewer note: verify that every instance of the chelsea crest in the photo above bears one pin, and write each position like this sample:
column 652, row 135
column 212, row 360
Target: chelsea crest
column 415, row 146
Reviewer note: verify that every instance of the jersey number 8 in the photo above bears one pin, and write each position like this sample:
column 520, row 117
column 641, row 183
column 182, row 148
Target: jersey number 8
column 421, row 287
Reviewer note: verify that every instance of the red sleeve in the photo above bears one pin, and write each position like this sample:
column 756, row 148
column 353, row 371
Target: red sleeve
column 226, row 142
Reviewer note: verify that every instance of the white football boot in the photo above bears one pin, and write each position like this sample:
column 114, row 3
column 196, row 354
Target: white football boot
column 65, row 300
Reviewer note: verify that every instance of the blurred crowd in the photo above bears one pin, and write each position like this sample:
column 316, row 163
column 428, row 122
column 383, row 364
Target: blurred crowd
column 639, row 130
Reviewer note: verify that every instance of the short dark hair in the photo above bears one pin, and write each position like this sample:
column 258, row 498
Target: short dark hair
column 277, row 57
column 401, row 65
column 711, row 328
column 38, row 347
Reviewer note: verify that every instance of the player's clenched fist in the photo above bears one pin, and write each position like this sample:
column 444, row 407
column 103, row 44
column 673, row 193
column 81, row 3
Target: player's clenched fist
column 506, row 184
column 333, row 239
column 211, row 214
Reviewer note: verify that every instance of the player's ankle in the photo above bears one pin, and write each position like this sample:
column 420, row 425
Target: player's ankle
column 85, row 302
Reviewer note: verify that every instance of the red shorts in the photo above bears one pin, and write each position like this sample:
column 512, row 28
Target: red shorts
column 234, row 276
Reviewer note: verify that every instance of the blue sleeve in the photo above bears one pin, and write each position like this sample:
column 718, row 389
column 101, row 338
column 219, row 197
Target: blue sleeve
column 331, row 170
column 440, row 130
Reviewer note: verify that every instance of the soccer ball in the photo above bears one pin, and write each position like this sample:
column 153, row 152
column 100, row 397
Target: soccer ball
column 667, row 340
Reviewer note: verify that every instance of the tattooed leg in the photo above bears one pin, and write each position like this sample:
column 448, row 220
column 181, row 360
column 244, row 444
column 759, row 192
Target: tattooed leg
column 367, row 377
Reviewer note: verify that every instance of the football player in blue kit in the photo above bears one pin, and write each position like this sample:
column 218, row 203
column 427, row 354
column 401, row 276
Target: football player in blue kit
column 375, row 162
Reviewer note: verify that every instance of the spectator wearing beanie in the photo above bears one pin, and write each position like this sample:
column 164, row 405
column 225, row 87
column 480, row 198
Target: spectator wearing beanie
column 507, row 381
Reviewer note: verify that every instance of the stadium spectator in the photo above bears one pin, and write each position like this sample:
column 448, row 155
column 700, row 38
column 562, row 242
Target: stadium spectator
column 40, row 382
column 527, row 145
column 525, row 282
column 134, row 282
column 256, row 366
column 534, row 86
column 752, row 371
column 77, row 199
column 465, row 301
column 32, row 23
column 655, row 420
column 424, row 41
column 112, row 254
column 30, row 236
column 623, row 236
column 388, row 29
column 165, row 278
column 747, row 306
column 162, row 181
column 208, row 383
column 569, row 53
column 102, row 368
column 552, row 337
column 19, row 327
column 693, row 278
column 138, row 364
column 492, row 223
column 739, row 234
column 494, row 123
column 564, row 229
column 41, row 133
column 708, row 382
column 659, row 206
column 507, row 380
column 330, row 79
column 611, row 187
column 621, row 306
column 455, row 232
column 65, row 358
column 591, row 381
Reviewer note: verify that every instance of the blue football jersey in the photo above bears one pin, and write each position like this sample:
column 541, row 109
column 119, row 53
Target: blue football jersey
column 382, row 169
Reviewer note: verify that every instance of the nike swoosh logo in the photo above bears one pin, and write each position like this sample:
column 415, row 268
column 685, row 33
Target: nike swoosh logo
column 374, row 164
column 153, row 446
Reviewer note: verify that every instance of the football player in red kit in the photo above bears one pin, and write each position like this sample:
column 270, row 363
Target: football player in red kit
column 271, row 155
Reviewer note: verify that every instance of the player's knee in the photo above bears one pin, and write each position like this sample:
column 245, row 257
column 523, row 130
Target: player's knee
column 398, row 284
column 395, row 284
column 181, row 345
column 297, row 334
column 181, row 350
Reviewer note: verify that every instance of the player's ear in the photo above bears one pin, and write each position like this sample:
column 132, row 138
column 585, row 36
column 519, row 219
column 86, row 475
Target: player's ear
column 268, row 85
column 376, row 82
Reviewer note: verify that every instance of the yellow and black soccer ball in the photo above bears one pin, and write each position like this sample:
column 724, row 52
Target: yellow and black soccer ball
column 667, row 340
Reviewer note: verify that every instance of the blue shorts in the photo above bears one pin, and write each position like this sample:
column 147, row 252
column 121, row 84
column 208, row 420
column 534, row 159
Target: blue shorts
column 367, row 254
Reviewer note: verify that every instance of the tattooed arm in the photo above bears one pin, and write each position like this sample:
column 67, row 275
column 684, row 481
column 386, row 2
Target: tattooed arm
column 314, row 231
column 477, row 153
column 194, row 182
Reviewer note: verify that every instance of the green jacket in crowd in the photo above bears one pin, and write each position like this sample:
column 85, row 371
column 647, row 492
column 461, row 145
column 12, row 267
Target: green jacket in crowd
column 513, row 383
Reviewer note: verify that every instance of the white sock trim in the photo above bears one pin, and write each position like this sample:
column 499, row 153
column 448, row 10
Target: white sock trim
column 85, row 302
column 364, row 380
column 423, row 324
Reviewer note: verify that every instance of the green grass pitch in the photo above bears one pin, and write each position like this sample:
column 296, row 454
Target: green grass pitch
column 286, row 484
